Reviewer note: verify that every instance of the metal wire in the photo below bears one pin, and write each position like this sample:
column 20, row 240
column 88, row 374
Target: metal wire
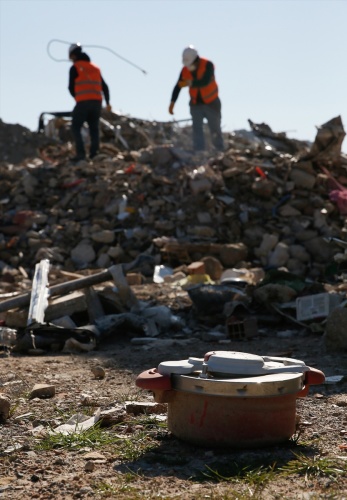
column 55, row 40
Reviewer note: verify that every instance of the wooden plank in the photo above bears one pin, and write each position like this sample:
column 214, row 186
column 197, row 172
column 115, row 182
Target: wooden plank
column 66, row 306
column 94, row 306
column 126, row 295
column 61, row 289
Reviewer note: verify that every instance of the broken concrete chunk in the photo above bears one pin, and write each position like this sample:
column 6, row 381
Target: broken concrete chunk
column 5, row 404
column 137, row 407
column 231, row 254
column 42, row 391
column 264, row 188
column 302, row 179
column 335, row 337
column 105, row 236
column 83, row 254
column 279, row 256
column 213, row 267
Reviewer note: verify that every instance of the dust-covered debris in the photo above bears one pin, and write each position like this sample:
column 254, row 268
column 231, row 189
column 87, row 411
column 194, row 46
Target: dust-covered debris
column 146, row 203
column 207, row 252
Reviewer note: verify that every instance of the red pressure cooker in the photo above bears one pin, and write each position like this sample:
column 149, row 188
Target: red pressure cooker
column 231, row 399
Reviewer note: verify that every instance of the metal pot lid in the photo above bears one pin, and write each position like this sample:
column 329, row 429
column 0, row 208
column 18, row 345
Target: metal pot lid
column 276, row 384
column 183, row 366
column 225, row 363
column 241, row 363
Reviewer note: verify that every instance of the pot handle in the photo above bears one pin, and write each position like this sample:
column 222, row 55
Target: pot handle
column 312, row 377
column 152, row 380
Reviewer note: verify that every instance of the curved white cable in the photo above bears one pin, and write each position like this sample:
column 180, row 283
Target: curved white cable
column 55, row 40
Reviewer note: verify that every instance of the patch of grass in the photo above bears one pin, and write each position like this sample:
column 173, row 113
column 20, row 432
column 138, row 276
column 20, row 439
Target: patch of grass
column 153, row 426
column 313, row 466
column 135, row 446
column 298, row 441
column 124, row 485
column 253, row 476
column 129, row 447
column 94, row 437
column 130, row 395
column 108, row 490
column 13, row 409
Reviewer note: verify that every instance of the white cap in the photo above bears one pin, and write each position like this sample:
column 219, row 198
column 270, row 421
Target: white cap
column 75, row 47
column 189, row 55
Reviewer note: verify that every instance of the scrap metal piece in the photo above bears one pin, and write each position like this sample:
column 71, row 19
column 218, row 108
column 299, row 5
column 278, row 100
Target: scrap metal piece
column 39, row 294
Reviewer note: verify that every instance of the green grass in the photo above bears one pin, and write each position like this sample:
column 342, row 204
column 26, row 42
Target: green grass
column 130, row 447
column 135, row 446
column 316, row 466
column 257, row 476
column 110, row 490
column 94, row 437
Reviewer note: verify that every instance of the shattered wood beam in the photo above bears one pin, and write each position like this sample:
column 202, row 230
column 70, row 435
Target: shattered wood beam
column 126, row 295
column 62, row 288
column 94, row 306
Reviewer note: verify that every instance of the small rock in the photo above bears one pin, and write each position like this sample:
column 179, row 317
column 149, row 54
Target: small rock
column 98, row 372
column 90, row 466
column 4, row 407
column 42, row 391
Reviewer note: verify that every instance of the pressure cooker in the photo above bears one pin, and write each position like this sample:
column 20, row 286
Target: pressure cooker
column 231, row 399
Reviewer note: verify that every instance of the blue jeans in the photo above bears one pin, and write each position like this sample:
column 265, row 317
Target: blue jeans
column 89, row 112
column 213, row 115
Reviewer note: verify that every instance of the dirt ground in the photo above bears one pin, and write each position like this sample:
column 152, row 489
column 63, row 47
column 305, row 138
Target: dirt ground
column 154, row 464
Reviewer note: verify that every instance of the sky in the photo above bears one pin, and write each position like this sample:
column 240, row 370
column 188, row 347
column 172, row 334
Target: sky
column 279, row 62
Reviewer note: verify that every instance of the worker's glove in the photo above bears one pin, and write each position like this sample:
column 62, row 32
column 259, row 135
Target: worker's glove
column 108, row 107
column 171, row 107
column 183, row 83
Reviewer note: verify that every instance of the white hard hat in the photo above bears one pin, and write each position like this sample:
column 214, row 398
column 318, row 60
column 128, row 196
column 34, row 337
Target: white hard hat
column 75, row 47
column 189, row 55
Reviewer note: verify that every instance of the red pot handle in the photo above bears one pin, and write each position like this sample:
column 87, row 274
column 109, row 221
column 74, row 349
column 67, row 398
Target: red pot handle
column 314, row 377
column 152, row 380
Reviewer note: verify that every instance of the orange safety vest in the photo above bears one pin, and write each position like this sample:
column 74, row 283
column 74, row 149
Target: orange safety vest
column 208, row 93
column 88, row 82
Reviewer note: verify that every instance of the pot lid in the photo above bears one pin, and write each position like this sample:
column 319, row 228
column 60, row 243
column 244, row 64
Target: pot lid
column 241, row 363
column 225, row 363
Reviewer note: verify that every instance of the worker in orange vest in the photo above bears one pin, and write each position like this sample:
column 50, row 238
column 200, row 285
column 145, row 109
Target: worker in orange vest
column 198, row 75
column 87, row 86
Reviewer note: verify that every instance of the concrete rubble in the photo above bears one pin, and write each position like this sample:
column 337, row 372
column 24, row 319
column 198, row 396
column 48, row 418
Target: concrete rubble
column 232, row 236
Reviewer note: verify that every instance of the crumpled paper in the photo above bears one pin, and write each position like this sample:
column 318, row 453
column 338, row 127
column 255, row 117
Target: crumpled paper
column 77, row 423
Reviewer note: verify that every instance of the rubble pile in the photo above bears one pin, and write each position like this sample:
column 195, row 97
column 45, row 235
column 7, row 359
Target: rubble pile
column 147, row 200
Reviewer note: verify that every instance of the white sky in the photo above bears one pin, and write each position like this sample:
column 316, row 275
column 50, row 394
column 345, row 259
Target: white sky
column 282, row 62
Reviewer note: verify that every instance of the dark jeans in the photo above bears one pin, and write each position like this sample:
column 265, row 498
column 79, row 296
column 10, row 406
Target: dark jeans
column 213, row 115
column 89, row 112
